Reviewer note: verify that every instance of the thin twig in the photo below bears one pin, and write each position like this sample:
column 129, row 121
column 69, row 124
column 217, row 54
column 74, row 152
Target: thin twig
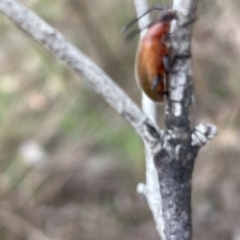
column 150, row 189
column 88, row 71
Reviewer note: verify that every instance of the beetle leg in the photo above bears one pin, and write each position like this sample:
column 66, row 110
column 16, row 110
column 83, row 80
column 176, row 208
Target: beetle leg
column 180, row 56
column 188, row 22
column 167, row 38
column 156, row 81
column 166, row 93
column 167, row 63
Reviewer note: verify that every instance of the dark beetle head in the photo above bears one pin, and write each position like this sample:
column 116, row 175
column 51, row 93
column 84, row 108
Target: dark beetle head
column 168, row 16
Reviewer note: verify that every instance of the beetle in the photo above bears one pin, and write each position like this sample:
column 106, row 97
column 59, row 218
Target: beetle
column 152, row 61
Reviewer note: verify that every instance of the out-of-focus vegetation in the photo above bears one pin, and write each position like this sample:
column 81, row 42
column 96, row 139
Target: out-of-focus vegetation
column 69, row 164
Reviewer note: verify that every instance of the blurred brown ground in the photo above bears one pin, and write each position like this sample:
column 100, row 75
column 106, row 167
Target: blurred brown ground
column 69, row 165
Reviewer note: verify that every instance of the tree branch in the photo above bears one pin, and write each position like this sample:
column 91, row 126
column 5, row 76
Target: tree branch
column 88, row 71
column 151, row 189
column 175, row 161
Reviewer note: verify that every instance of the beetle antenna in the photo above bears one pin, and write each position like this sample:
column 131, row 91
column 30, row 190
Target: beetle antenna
column 132, row 34
column 158, row 7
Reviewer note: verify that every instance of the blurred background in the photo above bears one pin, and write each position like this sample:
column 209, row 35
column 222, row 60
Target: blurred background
column 69, row 164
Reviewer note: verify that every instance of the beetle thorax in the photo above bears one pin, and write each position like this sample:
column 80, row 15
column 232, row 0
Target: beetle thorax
column 158, row 30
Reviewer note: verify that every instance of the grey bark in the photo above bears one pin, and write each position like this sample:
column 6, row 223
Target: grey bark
column 175, row 161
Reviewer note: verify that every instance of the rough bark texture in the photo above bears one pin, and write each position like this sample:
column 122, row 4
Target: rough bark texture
column 175, row 166
column 175, row 161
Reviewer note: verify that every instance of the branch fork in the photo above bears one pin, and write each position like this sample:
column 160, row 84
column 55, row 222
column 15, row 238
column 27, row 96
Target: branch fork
column 179, row 144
